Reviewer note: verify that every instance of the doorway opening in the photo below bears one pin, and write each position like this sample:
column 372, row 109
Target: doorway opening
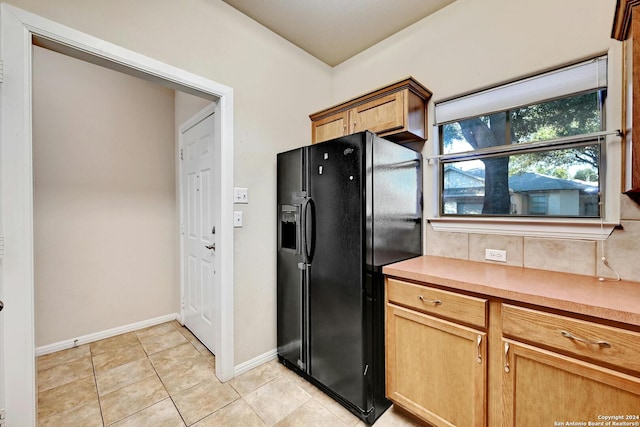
column 19, row 30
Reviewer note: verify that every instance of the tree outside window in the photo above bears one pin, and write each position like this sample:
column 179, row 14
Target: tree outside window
column 514, row 179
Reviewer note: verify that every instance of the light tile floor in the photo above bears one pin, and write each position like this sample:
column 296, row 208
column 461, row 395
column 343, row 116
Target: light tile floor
column 164, row 376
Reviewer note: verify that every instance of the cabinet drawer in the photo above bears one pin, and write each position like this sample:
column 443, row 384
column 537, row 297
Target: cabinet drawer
column 606, row 344
column 461, row 308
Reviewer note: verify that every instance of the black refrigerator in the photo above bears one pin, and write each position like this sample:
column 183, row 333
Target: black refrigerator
column 346, row 207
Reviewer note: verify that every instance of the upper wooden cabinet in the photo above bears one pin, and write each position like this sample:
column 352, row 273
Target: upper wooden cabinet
column 626, row 27
column 397, row 112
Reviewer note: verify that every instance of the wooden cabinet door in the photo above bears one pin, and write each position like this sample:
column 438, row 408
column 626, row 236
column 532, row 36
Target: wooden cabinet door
column 436, row 369
column 626, row 26
column 330, row 127
column 380, row 115
column 543, row 388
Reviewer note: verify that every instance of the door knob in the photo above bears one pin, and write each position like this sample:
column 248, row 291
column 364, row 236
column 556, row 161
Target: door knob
column 1, row 305
column 211, row 246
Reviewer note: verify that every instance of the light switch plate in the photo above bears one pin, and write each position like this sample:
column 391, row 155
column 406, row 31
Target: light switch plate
column 240, row 195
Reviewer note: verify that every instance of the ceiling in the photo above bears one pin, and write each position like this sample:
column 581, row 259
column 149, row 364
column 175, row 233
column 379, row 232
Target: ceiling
column 335, row 30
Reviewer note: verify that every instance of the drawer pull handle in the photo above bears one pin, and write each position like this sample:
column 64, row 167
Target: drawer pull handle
column 573, row 337
column 506, row 357
column 479, row 358
column 429, row 301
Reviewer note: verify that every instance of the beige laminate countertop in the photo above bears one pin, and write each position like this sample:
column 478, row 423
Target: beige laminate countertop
column 616, row 301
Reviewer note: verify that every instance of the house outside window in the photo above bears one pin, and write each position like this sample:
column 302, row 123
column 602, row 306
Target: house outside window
column 528, row 148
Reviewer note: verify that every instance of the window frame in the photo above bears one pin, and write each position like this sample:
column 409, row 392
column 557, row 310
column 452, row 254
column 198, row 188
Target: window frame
column 523, row 148
column 588, row 228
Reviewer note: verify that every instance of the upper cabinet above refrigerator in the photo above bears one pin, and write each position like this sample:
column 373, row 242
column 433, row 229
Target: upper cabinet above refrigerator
column 397, row 112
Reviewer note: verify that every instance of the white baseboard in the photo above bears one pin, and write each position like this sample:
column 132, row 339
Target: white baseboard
column 255, row 362
column 89, row 338
column 85, row 339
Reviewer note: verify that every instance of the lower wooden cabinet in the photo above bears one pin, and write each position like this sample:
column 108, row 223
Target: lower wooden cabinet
column 545, row 368
column 585, row 371
column 436, row 369
column 549, row 389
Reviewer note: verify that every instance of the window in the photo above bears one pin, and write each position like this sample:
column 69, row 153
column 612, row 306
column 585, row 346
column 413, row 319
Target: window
column 531, row 148
column 538, row 204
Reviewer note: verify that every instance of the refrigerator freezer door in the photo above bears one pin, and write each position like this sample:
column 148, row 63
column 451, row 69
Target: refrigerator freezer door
column 291, row 270
column 337, row 268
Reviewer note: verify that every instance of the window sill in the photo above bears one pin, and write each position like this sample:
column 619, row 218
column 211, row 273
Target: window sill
column 527, row 227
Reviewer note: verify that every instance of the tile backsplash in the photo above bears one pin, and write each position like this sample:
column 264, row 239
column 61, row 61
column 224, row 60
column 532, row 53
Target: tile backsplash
column 514, row 246
column 568, row 256
column 622, row 248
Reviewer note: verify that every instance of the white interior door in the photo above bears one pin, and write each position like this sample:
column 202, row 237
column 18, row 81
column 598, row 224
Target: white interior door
column 200, row 226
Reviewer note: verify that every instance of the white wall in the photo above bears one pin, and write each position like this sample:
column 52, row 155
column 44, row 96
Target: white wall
column 104, row 199
column 473, row 44
column 187, row 106
column 276, row 85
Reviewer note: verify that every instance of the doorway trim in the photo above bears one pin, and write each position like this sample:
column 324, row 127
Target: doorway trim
column 19, row 29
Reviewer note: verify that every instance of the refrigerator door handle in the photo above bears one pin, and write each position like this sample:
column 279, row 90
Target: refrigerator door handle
column 307, row 253
column 303, row 229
